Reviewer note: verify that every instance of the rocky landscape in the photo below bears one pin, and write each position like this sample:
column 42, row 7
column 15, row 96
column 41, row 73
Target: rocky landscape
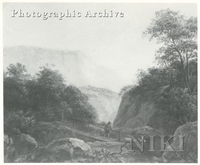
column 138, row 110
column 105, row 102
column 67, row 147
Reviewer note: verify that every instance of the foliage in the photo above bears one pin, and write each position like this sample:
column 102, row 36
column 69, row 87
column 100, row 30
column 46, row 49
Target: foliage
column 176, row 107
column 177, row 59
column 45, row 97
column 17, row 122
column 178, row 37
column 124, row 89
column 14, row 92
column 78, row 101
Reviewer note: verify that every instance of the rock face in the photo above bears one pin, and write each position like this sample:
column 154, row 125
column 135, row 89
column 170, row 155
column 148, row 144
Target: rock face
column 105, row 102
column 45, row 132
column 137, row 110
column 189, row 131
column 61, row 150
column 24, row 144
column 17, row 148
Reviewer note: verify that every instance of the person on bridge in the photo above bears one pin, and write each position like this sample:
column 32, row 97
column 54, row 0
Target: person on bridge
column 107, row 129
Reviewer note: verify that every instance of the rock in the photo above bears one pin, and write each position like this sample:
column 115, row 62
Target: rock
column 112, row 147
column 104, row 101
column 17, row 148
column 138, row 110
column 189, row 154
column 9, row 150
column 24, row 144
column 46, row 132
column 62, row 150
column 77, row 143
column 147, row 131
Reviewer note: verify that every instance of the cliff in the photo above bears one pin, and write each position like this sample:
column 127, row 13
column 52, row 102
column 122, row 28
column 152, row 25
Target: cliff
column 77, row 68
column 137, row 110
column 104, row 101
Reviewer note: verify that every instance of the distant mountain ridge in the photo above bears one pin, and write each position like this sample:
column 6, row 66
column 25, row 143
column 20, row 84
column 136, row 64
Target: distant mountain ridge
column 105, row 102
column 76, row 67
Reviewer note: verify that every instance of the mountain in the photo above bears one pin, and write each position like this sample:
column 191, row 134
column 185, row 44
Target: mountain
column 77, row 68
column 105, row 102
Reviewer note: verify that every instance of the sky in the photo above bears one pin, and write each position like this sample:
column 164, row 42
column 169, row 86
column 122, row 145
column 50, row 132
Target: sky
column 117, row 44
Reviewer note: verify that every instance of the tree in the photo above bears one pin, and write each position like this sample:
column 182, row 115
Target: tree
column 50, row 84
column 178, row 37
column 65, row 110
column 81, row 109
column 176, row 107
column 15, row 92
column 44, row 94
column 152, row 79
column 124, row 89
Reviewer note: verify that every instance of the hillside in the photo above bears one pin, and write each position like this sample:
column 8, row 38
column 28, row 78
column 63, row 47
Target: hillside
column 76, row 67
column 138, row 110
column 105, row 102
column 77, row 70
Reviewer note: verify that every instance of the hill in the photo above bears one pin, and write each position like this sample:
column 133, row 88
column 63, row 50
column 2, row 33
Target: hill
column 76, row 67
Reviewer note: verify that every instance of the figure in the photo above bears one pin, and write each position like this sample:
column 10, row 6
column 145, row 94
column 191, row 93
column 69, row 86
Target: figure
column 107, row 129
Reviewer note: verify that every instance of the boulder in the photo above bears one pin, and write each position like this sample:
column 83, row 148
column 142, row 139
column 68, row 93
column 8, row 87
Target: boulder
column 9, row 150
column 189, row 131
column 148, row 132
column 24, row 144
column 62, row 150
column 77, row 143
column 46, row 132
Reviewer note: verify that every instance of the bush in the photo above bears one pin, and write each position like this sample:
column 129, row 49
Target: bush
column 17, row 122
column 177, row 107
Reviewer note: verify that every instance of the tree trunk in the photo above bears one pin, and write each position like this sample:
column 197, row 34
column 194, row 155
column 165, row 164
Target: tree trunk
column 185, row 73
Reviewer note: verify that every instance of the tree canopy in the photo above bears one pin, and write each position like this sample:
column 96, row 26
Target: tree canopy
column 44, row 97
column 178, row 38
column 177, row 70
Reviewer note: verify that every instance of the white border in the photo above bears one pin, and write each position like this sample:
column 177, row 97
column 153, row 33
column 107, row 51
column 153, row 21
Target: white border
column 77, row 1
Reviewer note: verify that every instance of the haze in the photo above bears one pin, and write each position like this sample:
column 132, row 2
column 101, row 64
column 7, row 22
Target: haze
column 115, row 44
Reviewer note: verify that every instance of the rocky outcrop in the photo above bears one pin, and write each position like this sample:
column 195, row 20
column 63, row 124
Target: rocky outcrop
column 72, row 150
column 24, row 144
column 104, row 101
column 137, row 110
column 147, row 131
column 46, row 132
column 61, row 150
column 190, row 147
column 17, row 148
